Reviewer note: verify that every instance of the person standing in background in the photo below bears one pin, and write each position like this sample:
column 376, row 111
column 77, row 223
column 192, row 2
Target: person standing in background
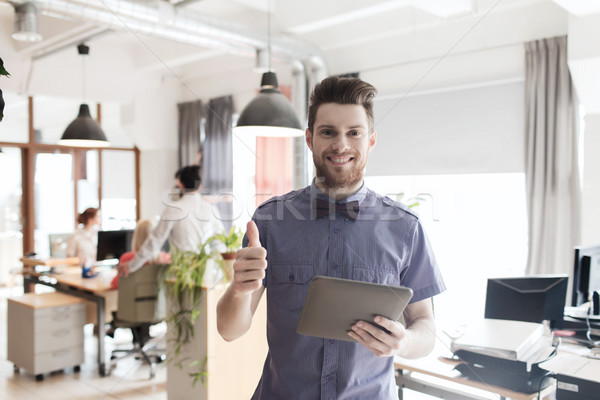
column 84, row 242
column 186, row 222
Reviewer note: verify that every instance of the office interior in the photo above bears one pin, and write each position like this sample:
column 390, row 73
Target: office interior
column 450, row 116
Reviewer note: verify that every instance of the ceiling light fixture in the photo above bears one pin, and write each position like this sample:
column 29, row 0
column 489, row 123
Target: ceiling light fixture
column 84, row 131
column 269, row 113
column 26, row 23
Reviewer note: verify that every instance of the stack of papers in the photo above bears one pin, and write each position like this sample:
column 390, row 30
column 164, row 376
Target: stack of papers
column 513, row 340
column 575, row 366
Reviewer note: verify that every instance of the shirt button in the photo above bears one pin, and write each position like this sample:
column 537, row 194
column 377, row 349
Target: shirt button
column 336, row 230
column 334, row 266
column 291, row 277
column 331, row 341
column 328, row 377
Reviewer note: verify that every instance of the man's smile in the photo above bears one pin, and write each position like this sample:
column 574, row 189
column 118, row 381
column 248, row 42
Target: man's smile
column 337, row 160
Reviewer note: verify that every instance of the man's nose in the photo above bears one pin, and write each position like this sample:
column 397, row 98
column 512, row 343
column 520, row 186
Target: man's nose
column 341, row 143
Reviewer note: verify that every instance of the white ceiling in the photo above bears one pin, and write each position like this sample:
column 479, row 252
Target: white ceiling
column 326, row 28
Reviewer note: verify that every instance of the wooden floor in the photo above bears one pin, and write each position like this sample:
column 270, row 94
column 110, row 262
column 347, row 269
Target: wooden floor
column 128, row 380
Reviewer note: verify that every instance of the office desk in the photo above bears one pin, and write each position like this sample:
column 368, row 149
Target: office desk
column 448, row 383
column 69, row 281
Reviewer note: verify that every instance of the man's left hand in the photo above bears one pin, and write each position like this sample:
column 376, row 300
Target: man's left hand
column 378, row 341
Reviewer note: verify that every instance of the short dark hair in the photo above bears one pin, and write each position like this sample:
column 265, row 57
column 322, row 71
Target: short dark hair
column 189, row 177
column 342, row 91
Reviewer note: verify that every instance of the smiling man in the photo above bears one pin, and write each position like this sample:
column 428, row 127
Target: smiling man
column 361, row 236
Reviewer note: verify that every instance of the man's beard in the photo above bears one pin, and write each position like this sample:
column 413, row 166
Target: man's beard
column 329, row 179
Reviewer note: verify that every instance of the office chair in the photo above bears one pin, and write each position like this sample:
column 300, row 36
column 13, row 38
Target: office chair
column 139, row 307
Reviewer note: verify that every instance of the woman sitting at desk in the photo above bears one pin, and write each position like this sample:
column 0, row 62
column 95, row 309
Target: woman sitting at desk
column 141, row 233
column 84, row 242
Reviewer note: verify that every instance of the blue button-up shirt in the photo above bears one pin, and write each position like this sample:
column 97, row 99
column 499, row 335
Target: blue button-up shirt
column 386, row 244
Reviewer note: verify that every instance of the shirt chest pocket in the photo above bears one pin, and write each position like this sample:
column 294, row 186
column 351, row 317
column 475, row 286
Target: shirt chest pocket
column 289, row 285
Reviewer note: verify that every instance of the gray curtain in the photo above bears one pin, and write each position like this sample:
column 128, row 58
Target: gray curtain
column 190, row 117
column 552, row 172
column 218, row 154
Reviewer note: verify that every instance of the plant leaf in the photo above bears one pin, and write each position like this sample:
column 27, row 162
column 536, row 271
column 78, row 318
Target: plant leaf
column 3, row 70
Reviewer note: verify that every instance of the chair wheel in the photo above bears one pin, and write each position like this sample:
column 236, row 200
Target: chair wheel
column 39, row 377
column 16, row 369
column 77, row 368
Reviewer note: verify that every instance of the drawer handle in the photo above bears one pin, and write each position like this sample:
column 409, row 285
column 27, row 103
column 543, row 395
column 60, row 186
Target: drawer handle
column 61, row 353
column 62, row 333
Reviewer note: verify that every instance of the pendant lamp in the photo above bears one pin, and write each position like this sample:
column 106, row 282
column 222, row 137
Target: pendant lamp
column 84, row 131
column 269, row 113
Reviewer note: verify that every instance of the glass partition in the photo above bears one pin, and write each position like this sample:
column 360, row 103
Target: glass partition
column 118, row 190
column 11, row 248
column 88, row 181
column 54, row 199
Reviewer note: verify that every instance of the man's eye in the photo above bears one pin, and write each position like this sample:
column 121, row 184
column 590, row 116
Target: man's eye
column 354, row 133
column 327, row 132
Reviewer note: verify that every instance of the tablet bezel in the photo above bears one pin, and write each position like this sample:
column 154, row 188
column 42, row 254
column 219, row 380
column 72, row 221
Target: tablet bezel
column 333, row 305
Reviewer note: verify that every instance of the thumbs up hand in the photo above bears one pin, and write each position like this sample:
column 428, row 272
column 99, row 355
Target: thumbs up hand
column 250, row 263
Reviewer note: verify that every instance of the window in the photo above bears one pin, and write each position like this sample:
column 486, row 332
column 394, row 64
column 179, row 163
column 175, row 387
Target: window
column 477, row 226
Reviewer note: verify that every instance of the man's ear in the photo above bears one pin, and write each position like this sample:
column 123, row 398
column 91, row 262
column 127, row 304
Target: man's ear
column 372, row 140
column 308, row 138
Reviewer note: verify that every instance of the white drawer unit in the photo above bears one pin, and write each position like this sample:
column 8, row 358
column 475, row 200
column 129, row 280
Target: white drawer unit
column 45, row 332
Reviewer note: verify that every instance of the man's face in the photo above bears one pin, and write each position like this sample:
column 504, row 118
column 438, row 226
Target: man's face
column 340, row 144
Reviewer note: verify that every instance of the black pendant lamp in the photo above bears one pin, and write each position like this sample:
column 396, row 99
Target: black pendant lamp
column 269, row 113
column 84, row 131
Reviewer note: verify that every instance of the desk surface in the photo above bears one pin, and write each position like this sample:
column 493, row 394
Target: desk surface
column 439, row 365
column 45, row 300
column 31, row 262
column 71, row 276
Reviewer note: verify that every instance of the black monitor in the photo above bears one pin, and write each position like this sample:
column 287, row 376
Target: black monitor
column 112, row 244
column 528, row 298
column 586, row 274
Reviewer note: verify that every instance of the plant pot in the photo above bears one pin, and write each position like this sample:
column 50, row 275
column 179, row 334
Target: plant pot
column 228, row 260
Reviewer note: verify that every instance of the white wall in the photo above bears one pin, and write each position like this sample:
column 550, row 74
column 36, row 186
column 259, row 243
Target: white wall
column 153, row 127
column 464, row 130
column 157, row 175
column 591, row 182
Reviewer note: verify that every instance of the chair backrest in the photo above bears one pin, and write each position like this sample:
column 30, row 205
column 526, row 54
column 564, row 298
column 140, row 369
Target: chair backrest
column 140, row 300
column 58, row 244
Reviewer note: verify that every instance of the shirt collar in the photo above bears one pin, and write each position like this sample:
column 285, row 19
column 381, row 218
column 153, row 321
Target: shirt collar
column 359, row 195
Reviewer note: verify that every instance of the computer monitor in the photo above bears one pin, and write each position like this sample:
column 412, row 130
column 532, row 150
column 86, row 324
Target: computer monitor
column 112, row 244
column 586, row 274
column 529, row 298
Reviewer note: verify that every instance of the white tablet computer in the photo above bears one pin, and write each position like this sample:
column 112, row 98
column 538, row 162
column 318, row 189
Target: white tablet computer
column 333, row 305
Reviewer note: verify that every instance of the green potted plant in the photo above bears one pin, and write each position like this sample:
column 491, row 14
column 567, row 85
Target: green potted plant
column 183, row 287
column 233, row 242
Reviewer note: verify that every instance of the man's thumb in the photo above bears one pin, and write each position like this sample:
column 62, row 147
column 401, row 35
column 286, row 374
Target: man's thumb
column 252, row 234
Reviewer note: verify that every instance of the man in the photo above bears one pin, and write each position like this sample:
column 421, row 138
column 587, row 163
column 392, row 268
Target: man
column 288, row 244
column 187, row 222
